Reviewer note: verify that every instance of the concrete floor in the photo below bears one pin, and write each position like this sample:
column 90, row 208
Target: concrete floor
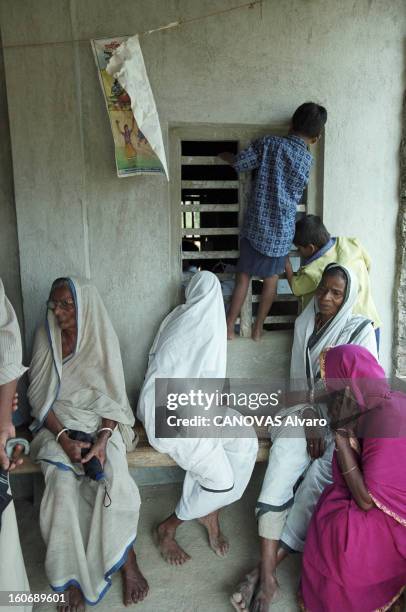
column 204, row 583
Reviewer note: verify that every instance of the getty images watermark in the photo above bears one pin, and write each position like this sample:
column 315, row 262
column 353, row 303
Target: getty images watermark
column 197, row 408
column 214, row 408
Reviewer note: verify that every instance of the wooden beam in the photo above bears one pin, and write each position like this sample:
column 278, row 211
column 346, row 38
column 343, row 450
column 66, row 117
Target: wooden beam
column 210, row 231
column 277, row 319
column 209, row 185
column 222, row 207
column 210, row 255
column 209, row 208
column 202, row 160
column 280, row 297
column 143, row 456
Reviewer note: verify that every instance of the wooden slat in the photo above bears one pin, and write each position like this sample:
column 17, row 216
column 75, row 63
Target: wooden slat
column 209, row 185
column 143, row 456
column 220, row 276
column 210, row 208
column 210, row 231
column 281, row 319
column 202, row 160
column 281, row 277
column 210, row 255
column 280, row 297
column 222, row 208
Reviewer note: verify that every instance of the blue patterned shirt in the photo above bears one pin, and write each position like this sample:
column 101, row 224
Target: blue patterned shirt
column 282, row 167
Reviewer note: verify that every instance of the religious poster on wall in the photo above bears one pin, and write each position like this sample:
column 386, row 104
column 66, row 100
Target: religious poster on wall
column 133, row 153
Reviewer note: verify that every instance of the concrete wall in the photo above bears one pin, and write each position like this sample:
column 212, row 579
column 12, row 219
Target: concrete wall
column 248, row 66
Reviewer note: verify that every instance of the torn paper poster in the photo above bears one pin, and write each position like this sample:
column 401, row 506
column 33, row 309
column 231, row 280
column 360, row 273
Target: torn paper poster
column 127, row 67
column 133, row 153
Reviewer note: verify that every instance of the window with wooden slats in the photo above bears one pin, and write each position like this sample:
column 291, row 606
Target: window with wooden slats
column 209, row 198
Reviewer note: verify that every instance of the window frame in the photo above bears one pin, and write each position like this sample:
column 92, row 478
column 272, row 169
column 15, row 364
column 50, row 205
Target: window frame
column 244, row 134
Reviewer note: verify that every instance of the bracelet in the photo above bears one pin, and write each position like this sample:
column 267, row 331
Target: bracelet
column 106, row 429
column 354, row 467
column 58, row 435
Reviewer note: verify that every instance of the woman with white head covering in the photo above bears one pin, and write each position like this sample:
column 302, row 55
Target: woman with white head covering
column 13, row 576
column 78, row 398
column 300, row 459
column 192, row 343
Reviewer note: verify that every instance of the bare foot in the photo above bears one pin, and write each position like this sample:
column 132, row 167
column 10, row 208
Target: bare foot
column 241, row 598
column 75, row 602
column 135, row 587
column 218, row 542
column 256, row 333
column 266, row 593
column 168, row 546
column 230, row 332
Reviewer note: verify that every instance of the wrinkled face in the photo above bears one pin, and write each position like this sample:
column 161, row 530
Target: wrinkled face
column 63, row 306
column 330, row 295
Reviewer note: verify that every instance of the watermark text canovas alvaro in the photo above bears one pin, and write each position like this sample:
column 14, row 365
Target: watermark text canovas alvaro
column 218, row 399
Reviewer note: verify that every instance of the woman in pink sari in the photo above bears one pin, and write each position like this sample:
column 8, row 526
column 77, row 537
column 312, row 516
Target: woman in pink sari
column 355, row 553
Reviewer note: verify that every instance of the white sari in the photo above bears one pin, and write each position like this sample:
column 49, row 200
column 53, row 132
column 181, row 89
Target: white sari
column 284, row 508
column 86, row 541
column 13, row 576
column 192, row 343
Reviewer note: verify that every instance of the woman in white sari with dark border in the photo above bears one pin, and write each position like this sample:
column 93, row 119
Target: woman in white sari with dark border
column 77, row 387
column 300, row 459
column 192, row 343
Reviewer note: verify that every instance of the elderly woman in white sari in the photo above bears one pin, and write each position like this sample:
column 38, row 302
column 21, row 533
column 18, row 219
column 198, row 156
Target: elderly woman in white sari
column 300, row 459
column 192, row 343
column 13, row 576
column 82, row 415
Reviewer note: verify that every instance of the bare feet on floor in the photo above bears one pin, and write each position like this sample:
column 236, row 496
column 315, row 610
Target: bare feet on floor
column 218, row 542
column 135, row 587
column 168, row 546
column 230, row 332
column 75, row 602
column 256, row 333
column 266, row 593
column 242, row 596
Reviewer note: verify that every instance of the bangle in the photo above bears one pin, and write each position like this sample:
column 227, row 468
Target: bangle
column 106, row 429
column 354, row 467
column 58, row 435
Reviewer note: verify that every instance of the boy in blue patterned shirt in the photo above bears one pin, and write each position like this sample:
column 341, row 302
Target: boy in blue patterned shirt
column 282, row 167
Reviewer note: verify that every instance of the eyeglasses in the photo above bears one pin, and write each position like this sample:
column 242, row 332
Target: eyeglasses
column 64, row 304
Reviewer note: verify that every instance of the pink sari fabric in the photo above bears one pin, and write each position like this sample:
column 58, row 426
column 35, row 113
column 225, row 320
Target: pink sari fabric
column 356, row 560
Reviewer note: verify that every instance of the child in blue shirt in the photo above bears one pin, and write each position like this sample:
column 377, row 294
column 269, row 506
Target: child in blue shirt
column 282, row 167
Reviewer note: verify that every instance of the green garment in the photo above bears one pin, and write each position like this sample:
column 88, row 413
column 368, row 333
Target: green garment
column 348, row 252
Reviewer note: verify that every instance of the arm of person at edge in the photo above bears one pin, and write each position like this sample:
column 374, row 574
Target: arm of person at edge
column 99, row 447
column 8, row 404
column 347, row 459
